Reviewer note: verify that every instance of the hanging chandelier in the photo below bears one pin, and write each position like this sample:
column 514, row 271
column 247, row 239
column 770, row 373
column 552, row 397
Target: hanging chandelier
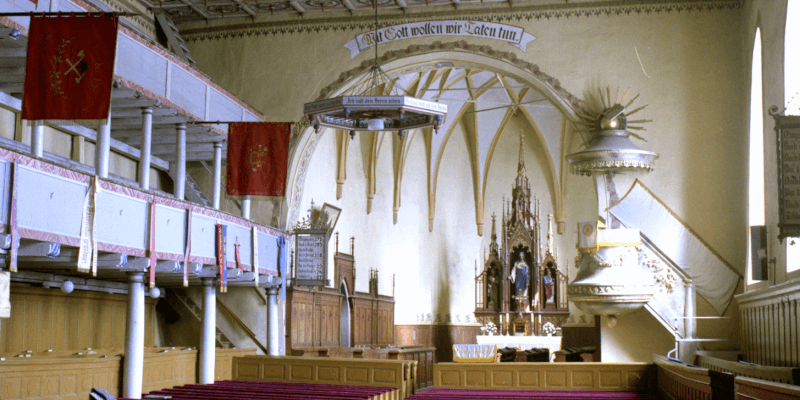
column 377, row 105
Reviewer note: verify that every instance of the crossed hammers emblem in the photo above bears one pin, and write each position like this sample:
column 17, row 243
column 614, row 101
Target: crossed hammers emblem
column 79, row 67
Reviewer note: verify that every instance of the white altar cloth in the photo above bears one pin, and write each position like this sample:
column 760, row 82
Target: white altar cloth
column 523, row 342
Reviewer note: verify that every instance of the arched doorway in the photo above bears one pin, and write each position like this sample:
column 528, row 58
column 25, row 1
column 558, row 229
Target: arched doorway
column 344, row 318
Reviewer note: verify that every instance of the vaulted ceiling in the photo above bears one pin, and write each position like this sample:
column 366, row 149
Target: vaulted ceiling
column 480, row 104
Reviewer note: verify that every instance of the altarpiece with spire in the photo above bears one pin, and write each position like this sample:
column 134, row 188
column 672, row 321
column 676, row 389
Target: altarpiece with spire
column 520, row 287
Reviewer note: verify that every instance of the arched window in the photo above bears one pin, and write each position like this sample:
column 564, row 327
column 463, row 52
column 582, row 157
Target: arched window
column 791, row 94
column 791, row 58
column 756, row 212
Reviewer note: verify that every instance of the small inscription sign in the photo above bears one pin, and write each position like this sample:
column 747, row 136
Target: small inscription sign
column 312, row 259
column 513, row 35
column 788, row 130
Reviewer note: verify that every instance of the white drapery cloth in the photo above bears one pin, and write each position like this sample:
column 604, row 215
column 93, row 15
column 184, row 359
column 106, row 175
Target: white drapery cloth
column 474, row 352
column 714, row 278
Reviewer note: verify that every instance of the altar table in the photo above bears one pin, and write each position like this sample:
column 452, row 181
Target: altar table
column 553, row 343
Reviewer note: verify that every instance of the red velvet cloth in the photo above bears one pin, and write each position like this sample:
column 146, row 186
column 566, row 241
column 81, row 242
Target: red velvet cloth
column 70, row 67
column 258, row 156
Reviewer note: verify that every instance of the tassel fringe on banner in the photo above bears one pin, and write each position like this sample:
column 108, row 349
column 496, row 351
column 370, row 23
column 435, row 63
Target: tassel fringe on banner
column 188, row 253
column 255, row 253
column 14, row 251
column 87, row 252
column 152, row 245
column 222, row 257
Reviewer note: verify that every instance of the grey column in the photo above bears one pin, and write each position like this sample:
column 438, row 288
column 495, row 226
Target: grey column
column 246, row 207
column 688, row 347
column 180, row 162
column 102, row 149
column 217, row 172
column 273, row 337
column 37, row 139
column 208, row 333
column 147, row 137
column 133, row 361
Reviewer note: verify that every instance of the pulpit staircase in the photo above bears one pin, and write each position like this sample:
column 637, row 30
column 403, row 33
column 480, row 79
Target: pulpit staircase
column 669, row 304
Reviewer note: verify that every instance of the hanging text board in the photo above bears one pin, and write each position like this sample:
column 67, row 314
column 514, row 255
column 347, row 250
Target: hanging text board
column 311, row 261
column 788, row 134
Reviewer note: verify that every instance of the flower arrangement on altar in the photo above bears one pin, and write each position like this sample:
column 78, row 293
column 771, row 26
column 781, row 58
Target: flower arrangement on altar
column 489, row 329
column 548, row 328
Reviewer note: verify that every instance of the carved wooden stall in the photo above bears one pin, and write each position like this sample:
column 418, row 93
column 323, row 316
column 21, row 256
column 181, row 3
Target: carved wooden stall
column 521, row 287
column 316, row 315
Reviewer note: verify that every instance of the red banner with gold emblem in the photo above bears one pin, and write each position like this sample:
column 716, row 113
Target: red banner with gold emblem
column 69, row 70
column 258, row 154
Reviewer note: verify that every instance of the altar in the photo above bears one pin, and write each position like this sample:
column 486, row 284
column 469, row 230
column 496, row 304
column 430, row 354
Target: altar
column 553, row 343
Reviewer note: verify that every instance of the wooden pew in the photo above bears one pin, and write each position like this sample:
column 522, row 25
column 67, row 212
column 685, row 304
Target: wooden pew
column 341, row 371
column 758, row 389
column 680, row 381
column 544, row 376
column 775, row 374
column 424, row 356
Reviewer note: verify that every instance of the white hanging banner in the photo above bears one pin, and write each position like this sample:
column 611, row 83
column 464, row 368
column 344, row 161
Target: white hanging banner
column 513, row 35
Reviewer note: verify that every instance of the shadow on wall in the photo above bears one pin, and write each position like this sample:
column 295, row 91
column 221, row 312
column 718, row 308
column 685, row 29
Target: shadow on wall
column 176, row 331
column 442, row 339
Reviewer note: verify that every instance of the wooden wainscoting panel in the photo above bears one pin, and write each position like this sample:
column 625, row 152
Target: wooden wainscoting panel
column 164, row 368
column 47, row 319
column 58, row 378
column 543, row 376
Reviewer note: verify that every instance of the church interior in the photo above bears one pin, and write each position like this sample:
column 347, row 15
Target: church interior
column 534, row 195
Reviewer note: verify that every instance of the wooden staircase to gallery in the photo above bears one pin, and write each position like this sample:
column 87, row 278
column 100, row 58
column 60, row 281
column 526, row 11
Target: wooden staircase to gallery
column 184, row 305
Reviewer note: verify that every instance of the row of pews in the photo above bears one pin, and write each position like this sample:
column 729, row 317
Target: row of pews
column 478, row 394
column 714, row 379
column 254, row 390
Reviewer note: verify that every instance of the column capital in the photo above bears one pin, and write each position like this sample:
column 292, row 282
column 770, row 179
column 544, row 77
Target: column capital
column 180, row 127
column 206, row 282
column 147, row 110
column 135, row 277
column 218, row 145
column 272, row 290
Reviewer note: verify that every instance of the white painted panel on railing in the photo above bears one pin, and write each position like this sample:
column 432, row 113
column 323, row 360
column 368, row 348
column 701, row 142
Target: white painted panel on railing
column 267, row 252
column 49, row 203
column 188, row 92
column 203, row 238
column 141, row 65
column 23, row 6
column 244, row 237
column 250, row 117
column 122, row 220
column 170, row 230
column 223, row 108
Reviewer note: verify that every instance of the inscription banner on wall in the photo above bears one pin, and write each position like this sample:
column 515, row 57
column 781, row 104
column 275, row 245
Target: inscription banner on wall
column 311, row 261
column 788, row 132
column 513, row 35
